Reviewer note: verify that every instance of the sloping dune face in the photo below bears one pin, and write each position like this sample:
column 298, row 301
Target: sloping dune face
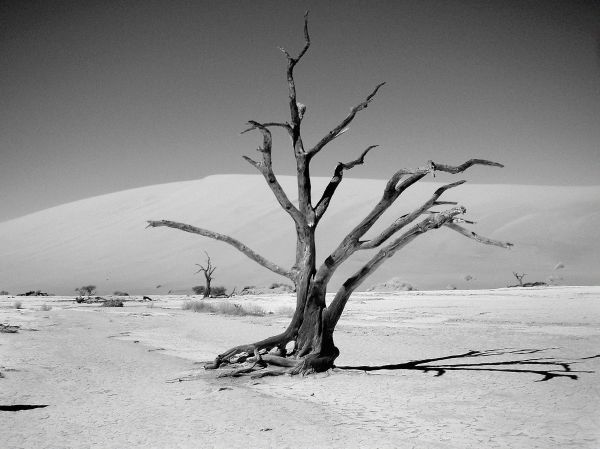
column 103, row 240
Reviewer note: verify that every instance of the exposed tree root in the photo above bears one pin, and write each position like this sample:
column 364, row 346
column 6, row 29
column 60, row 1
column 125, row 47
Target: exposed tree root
column 263, row 364
column 269, row 372
column 276, row 360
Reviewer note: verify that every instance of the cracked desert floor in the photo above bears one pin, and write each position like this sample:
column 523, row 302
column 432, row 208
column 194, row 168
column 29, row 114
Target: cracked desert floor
column 515, row 368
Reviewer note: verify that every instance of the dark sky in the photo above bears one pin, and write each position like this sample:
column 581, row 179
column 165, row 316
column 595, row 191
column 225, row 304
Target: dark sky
column 102, row 96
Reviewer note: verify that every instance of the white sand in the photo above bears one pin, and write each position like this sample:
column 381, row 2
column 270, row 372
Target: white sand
column 105, row 390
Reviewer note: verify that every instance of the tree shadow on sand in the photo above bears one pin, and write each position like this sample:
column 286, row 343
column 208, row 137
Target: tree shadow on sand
column 546, row 367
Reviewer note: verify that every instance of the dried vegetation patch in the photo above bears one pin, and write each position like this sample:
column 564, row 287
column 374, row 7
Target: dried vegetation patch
column 224, row 308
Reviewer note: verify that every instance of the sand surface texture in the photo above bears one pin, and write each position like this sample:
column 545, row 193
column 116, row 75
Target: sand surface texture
column 129, row 377
column 103, row 240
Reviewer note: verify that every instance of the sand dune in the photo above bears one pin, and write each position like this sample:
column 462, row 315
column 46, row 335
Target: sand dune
column 102, row 240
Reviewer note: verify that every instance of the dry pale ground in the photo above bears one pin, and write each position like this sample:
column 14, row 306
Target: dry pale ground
column 128, row 378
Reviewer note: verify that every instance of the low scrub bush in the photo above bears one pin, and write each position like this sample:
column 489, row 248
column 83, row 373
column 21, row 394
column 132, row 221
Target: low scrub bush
column 120, row 293
column 224, row 308
column 8, row 329
column 86, row 290
column 198, row 306
column 219, row 290
column 199, row 289
column 34, row 293
column 112, row 303
column 4, row 292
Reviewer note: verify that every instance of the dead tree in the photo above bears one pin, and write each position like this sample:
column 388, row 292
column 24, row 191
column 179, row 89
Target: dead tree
column 208, row 271
column 519, row 277
column 309, row 335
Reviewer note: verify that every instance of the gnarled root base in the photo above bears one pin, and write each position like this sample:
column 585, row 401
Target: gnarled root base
column 262, row 363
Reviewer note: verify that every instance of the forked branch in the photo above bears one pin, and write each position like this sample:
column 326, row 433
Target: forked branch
column 351, row 242
column 253, row 126
column 335, row 309
column 227, row 239
column 342, row 126
column 409, row 218
column 396, row 185
column 266, row 169
column 296, row 117
column 209, row 269
column 336, row 179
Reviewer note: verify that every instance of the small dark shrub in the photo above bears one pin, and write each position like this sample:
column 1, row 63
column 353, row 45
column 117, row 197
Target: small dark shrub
column 112, row 303
column 87, row 290
column 89, row 300
column 199, row 289
column 4, row 292
column 219, row 290
column 34, row 293
column 120, row 293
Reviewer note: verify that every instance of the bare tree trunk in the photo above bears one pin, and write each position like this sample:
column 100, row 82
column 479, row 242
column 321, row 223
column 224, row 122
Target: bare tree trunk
column 207, row 289
column 313, row 324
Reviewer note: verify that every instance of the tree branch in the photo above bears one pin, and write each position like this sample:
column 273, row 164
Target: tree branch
column 336, row 307
column 336, row 179
column 409, row 218
column 266, row 169
column 342, row 127
column 294, row 113
column 393, row 189
column 227, row 239
column 209, row 269
column 286, row 126
column 433, row 167
column 297, row 111
column 477, row 237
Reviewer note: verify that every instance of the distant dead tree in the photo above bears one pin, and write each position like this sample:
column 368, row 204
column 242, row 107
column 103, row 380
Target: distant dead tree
column 208, row 269
column 309, row 336
column 519, row 277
